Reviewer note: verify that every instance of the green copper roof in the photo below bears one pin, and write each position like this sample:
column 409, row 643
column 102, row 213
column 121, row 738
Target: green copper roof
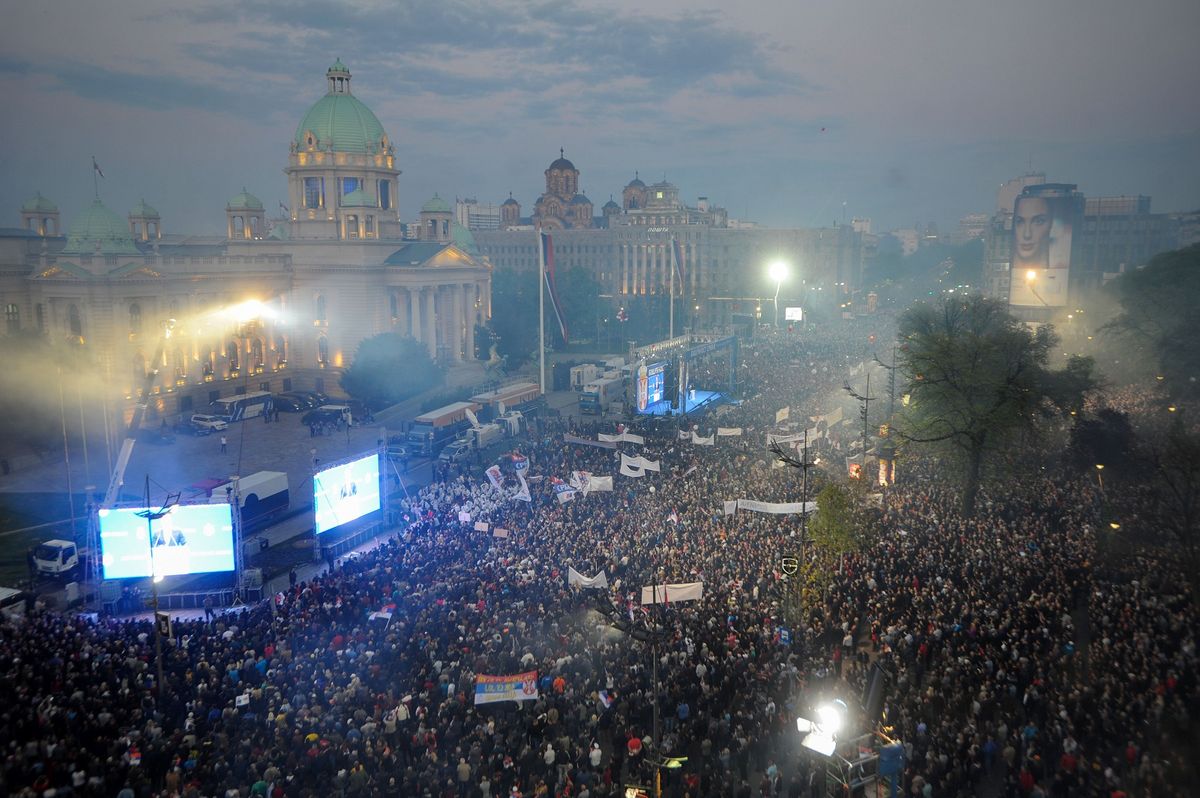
column 142, row 209
column 99, row 231
column 357, row 199
column 339, row 121
column 39, row 204
column 245, row 201
column 436, row 205
column 464, row 239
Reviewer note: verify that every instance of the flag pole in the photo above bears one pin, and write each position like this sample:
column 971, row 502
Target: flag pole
column 674, row 265
column 541, row 312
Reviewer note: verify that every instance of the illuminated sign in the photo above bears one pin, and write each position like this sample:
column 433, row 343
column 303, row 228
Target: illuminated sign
column 346, row 492
column 188, row 539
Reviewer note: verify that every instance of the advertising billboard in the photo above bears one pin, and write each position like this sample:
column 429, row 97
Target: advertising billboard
column 1042, row 228
column 346, row 492
column 793, row 314
column 188, row 539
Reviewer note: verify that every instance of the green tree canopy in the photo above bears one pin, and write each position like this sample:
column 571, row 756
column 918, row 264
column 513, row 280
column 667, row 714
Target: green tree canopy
column 977, row 378
column 834, row 529
column 1158, row 311
column 389, row 368
column 515, row 314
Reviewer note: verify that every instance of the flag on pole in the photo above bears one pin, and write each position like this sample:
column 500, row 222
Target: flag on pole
column 547, row 252
column 96, row 166
column 677, row 257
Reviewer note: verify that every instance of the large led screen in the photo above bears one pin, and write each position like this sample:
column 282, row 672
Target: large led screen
column 346, row 492
column 189, row 539
column 1041, row 250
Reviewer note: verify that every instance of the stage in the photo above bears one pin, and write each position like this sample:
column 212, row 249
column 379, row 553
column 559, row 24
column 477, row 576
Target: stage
column 694, row 401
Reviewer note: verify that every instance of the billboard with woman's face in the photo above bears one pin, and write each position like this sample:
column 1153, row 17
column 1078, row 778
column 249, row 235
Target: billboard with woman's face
column 1041, row 250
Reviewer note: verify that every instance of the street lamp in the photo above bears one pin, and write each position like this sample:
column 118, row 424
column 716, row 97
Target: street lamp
column 1100, row 475
column 778, row 271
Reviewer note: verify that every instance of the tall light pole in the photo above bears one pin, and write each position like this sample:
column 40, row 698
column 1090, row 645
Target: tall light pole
column 155, row 577
column 778, row 271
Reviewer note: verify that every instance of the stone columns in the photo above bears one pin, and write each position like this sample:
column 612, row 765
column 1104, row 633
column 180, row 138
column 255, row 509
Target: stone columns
column 429, row 336
column 414, row 316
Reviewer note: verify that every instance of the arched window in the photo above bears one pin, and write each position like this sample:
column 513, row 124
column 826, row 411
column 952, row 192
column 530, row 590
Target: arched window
column 323, row 351
column 39, row 311
column 12, row 318
column 231, row 352
column 239, row 227
column 180, row 364
column 256, row 353
column 280, row 350
column 74, row 322
column 320, row 307
column 135, row 318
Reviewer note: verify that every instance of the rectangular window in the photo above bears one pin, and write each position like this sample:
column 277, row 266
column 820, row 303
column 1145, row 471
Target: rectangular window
column 287, row 384
column 385, row 194
column 264, row 386
column 369, row 225
column 314, row 194
column 350, row 184
column 185, row 404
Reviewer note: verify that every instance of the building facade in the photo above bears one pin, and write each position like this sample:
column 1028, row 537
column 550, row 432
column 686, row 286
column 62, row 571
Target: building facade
column 724, row 269
column 333, row 272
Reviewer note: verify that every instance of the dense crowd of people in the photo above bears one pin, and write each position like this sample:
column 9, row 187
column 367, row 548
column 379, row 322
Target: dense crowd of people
column 1016, row 666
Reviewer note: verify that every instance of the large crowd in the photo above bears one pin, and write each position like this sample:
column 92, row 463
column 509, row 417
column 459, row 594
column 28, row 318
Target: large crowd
column 1017, row 667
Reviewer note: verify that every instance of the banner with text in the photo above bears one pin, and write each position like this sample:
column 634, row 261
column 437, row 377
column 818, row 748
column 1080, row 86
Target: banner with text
column 518, row 687
column 669, row 594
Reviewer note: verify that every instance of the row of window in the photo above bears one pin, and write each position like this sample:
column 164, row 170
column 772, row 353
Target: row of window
column 314, row 191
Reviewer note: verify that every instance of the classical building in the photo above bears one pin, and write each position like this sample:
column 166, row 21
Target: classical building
column 334, row 271
column 628, row 251
column 562, row 206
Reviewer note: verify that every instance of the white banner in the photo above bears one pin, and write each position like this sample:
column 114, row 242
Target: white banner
column 494, row 476
column 731, row 507
column 599, row 581
column 776, row 508
column 772, row 438
column 698, row 441
column 630, row 471
column 723, row 432
column 640, row 462
column 481, row 526
column 622, row 437
column 464, row 517
column 685, row 434
column 831, row 418
column 589, row 442
column 522, row 495
column 586, row 482
column 668, row 594
column 782, row 413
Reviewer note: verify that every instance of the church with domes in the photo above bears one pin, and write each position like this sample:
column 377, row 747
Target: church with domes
column 335, row 270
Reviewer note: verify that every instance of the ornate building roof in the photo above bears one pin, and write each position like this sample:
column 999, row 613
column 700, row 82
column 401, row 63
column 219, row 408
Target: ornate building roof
column 245, row 201
column 39, row 204
column 99, row 231
column 339, row 121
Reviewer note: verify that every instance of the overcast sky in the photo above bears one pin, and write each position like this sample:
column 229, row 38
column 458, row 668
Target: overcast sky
column 789, row 113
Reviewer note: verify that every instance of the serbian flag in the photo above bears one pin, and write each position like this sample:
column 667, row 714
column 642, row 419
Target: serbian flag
column 677, row 258
column 546, row 250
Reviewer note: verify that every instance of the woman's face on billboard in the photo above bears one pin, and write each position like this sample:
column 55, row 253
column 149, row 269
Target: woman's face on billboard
column 1031, row 227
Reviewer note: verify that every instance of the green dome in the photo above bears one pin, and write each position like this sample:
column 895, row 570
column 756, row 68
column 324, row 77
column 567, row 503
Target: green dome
column 357, row 199
column 339, row 121
column 142, row 209
column 99, row 230
column 245, row 201
column 436, row 205
column 39, row 204
column 464, row 239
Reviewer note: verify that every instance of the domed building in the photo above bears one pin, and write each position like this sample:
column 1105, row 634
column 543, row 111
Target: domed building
column 562, row 206
column 342, row 169
column 335, row 271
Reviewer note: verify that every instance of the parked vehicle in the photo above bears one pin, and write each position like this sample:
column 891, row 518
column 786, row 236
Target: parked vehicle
column 328, row 414
column 205, row 423
column 306, row 402
column 457, row 451
column 289, row 404
column 433, row 430
column 483, row 436
column 58, row 558
column 243, row 406
column 598, row 396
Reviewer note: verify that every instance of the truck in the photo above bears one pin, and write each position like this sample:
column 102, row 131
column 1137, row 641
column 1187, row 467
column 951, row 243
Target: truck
column 58, row 558
column 512, row 422
column 431, row 431
column 523, row 396
column 484, row 435
column 583, row 374
column 599, row 395
column 262, row 495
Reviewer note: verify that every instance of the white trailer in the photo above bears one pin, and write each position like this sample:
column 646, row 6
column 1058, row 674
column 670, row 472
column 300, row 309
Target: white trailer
column 582, row 375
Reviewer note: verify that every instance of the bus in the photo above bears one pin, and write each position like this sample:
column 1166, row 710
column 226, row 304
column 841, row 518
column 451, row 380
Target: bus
column 525, row 397
column 243, row 406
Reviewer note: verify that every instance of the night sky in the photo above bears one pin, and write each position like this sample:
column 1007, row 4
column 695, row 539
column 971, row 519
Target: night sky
column 788, row 113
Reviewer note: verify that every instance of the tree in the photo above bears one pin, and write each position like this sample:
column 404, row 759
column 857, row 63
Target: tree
column 834, row 529
column 1158, row 308
column 389, row 368
column 580, row 294
column 977, row 378
column 515, row 314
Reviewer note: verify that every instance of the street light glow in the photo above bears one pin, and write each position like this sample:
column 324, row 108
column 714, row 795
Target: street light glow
column 1031, row 275
column 831, row 718
column 779, row 270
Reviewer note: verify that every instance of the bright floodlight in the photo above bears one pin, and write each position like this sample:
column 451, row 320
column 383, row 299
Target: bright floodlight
column 1031, row 275
column 778, row 270
column 250, row 310
column 831, row 718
